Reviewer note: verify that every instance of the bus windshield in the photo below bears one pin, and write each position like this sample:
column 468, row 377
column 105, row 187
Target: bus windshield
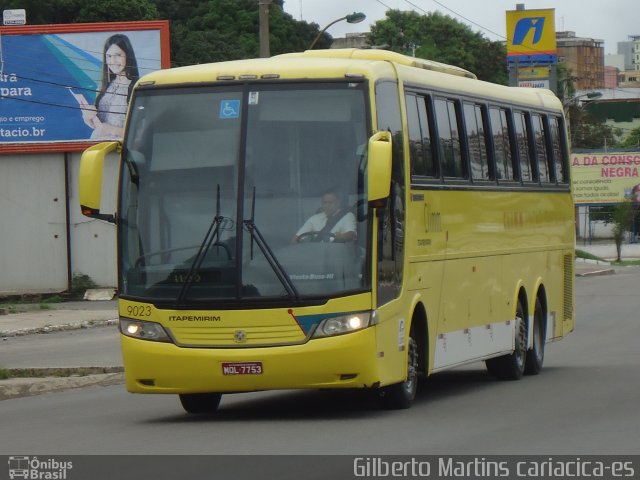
column 224, row 192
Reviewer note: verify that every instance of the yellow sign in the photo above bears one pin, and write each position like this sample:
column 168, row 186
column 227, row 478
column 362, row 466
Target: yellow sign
column 533, row 73
column 605, row 177
column 531, row 32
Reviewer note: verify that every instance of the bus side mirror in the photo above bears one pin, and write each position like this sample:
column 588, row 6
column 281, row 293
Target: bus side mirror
column 379, row 166
column 91, row 172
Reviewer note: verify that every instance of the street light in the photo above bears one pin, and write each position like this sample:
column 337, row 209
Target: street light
column 589, row 95
column 355, row 17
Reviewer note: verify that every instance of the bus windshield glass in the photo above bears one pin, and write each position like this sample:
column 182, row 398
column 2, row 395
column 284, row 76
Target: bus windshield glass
column 251, row 192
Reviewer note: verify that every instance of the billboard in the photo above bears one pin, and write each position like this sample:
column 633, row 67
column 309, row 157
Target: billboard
column 531, row 36
column 62, row 86
column 602, row 178
column 534, row 77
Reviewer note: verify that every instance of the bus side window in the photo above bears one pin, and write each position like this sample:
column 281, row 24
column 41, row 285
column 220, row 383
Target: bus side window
column 527, row 173
column 476, row 141
column 501, row 143
column 420, row 147
column 449, row 138
column 558, row 149
column 546, row 175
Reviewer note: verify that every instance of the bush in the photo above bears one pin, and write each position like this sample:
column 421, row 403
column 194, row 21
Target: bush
column 80, row 283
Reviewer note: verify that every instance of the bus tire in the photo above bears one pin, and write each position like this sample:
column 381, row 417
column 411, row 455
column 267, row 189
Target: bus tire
column 535, row 356
column 511, row 366
column 199, row 403
column 401, row 395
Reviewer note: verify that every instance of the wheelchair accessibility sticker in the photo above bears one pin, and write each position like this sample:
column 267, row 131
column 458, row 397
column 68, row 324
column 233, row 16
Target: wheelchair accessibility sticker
column 229, row 109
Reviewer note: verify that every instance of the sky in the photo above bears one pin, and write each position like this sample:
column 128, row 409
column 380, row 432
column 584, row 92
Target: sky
column 609, row 20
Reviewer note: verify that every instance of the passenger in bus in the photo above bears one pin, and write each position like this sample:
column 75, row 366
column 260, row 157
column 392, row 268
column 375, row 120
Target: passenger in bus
column 333, row 223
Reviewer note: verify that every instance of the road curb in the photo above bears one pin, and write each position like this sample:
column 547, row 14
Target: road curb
column 57, row 328
column 596, row 273
column 77, row 377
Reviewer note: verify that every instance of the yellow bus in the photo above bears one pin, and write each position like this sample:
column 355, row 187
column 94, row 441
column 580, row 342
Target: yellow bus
column 335, row 219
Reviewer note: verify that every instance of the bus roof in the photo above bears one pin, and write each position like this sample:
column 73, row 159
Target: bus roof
column 352, row 62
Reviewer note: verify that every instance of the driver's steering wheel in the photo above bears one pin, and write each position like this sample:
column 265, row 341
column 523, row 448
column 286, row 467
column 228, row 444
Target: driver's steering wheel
column 316, row 237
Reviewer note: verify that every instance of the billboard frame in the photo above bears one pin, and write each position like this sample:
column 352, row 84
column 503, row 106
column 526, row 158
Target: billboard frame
column 76, row 146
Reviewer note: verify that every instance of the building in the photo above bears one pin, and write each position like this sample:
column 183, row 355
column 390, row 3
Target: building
column 584, row 57
column 351, row 40
column 631, row 52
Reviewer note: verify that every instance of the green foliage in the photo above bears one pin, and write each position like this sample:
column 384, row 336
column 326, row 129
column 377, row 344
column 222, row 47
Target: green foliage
column 566, row 83
column 83, row 11
column 443, row 39
column 81, row 283
column 4, row 373
column 588, row 256
column 632, row 140
column 200, row 32
column 588, row 132
column 622, row 219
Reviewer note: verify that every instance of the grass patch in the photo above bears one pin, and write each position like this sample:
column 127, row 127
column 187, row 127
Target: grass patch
column 52, row 299
column 9, row 307
column 627, row 263
column 588, row 256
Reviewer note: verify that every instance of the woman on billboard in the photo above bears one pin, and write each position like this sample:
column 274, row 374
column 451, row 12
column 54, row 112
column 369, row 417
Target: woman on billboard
column 119, row 74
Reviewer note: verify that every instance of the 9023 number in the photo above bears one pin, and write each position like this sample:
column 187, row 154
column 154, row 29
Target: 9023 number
column 139, row 310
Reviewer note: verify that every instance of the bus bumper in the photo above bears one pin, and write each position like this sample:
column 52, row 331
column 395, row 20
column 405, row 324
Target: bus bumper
column 345, row 361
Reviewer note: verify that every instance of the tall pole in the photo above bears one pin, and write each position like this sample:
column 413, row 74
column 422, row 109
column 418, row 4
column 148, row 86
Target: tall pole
column 263, row 6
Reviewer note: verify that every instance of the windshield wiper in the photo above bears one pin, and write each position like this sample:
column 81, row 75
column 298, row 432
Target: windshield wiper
column 208, row 240
column 257, row 237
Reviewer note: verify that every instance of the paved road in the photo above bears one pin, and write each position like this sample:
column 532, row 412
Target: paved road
column 93, row 347
column 584, row 402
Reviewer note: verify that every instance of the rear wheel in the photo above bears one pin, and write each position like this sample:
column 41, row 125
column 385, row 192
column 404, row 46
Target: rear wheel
column 511, row 367
column 401, row 395
column 535, row 356
column 199, row 403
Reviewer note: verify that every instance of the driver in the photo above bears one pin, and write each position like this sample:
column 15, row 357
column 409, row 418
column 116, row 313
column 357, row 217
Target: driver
column 332, row 224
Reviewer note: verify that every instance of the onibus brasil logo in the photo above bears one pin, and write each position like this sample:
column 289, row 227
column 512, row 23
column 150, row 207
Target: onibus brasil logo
column 38, row 469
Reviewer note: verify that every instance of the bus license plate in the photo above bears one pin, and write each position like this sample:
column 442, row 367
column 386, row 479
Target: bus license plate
column 242, row 368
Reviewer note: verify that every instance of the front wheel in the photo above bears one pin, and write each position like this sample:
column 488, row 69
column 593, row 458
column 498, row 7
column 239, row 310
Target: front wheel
column 199, row 403
column 401, row 395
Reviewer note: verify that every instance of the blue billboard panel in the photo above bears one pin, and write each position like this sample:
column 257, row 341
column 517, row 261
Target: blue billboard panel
column 71, row 87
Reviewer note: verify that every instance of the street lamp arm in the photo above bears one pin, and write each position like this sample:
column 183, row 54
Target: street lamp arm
column 589, row 95
column 355, row 17
column 315, row 40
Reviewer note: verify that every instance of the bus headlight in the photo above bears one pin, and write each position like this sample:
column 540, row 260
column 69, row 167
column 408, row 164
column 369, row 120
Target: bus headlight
column 345, row 324
column 143, row 330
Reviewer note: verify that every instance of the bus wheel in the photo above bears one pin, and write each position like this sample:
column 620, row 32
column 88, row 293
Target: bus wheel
column 511, row 367
column 535, row 356
column 198, row 403
column 401, row 395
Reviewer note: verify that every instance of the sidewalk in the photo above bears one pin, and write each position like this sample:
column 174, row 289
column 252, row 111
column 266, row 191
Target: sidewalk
column 57, row 317
column 88, row 314
column 606, row 251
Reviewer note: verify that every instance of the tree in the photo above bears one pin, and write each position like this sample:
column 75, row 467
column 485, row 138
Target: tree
column 82, row 11
column 588, row 132
column 622, row 218
column 632, row 140
column 441, row 38
column 228, row 29
column 201, row 32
